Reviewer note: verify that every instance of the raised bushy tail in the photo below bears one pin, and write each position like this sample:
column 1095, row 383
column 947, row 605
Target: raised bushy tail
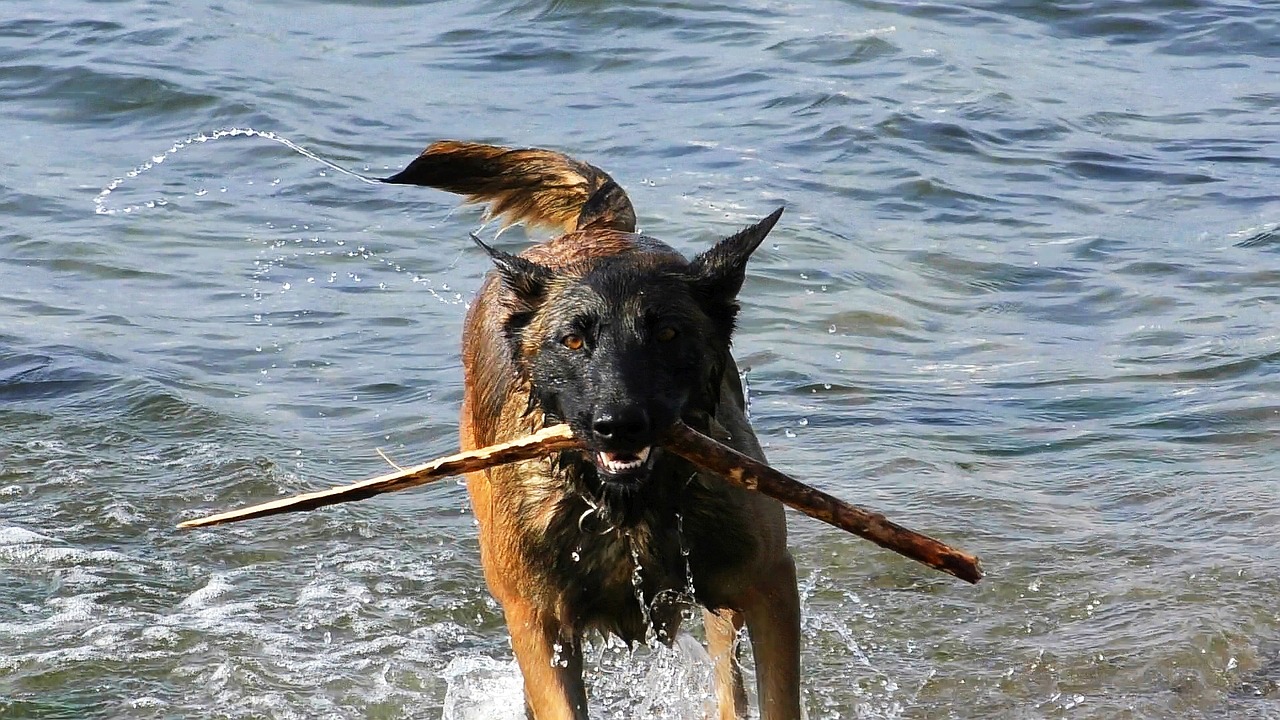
column 529, row 185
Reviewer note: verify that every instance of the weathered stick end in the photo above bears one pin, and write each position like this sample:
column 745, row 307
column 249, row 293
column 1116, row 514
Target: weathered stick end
column 752, row 474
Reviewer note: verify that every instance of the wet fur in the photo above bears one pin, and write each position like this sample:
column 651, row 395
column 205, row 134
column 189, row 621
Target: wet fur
column 560, row 543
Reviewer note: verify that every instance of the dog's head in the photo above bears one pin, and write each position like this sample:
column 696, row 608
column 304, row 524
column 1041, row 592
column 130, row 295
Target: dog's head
column 622, row 346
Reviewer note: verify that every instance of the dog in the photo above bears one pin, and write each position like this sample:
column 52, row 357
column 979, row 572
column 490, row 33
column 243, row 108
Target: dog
column 618, row 335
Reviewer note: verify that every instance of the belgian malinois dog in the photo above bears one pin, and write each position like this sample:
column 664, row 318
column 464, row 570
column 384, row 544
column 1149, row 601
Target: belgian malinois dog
column 618, row 335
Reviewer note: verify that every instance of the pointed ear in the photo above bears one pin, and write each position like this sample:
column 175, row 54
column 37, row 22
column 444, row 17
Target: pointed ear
column 719, row 272
column 527, row 279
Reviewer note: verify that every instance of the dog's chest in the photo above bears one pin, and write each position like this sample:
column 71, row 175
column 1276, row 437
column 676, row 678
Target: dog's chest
column 623, row 581
column 628, row 573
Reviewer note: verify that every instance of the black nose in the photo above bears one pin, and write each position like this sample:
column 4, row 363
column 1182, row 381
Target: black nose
column 621, row 426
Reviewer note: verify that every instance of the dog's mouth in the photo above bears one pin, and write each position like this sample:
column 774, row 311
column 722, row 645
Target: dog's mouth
column 624, row 467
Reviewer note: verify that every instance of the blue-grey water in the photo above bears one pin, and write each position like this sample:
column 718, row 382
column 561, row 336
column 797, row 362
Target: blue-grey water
column 1025, row 297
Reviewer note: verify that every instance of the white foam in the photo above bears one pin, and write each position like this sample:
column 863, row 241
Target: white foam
column 21, row 536
column 77, row 575
column 481, row 688
column 69, row 613
column 35, row 555
column 202, row 598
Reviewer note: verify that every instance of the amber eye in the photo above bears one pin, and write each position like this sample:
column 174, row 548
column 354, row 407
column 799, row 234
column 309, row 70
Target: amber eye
column 666, row 334
column 572, row 341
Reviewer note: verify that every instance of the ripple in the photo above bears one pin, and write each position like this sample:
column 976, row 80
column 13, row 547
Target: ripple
column 26, row 377
column 85, row 96
column 1095, row 165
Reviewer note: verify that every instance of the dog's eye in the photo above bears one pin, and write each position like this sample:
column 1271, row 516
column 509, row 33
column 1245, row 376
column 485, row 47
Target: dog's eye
column 573, row 341
column 666, row 334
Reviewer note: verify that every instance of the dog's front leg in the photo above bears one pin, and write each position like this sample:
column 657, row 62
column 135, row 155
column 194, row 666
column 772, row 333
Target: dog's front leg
column 551, row 665
column 773, row 620
column 722, row 643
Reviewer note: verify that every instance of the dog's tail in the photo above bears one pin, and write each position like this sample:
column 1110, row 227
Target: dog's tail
column 537, row 187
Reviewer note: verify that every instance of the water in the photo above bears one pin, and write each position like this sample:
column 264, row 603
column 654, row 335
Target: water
column 1024, row 298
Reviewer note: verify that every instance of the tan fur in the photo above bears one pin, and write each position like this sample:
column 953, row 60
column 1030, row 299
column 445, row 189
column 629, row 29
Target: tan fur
column 528, row 185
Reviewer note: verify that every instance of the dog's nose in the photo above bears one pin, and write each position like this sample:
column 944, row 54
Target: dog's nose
column 621, row 426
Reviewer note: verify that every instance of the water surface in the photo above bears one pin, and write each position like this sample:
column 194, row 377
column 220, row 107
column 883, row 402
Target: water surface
column 1024, row 298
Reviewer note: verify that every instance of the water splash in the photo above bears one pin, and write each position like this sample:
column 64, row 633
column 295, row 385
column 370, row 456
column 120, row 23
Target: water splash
column 481, row 688
column 100, row 202
column 685, row 597
column 651, row 683
column 684, row 553
column 637, row 583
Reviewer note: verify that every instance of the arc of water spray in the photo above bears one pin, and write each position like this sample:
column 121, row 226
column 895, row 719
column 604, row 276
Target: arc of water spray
column 100, row 202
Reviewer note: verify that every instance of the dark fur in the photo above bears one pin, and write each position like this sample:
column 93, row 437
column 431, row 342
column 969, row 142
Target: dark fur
column 618, row 335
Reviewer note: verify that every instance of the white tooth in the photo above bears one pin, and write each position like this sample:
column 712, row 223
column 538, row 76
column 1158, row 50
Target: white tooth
column 612, row 464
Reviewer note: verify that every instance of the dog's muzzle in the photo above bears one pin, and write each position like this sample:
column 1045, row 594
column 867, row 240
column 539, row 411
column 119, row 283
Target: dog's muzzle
column 619, row 434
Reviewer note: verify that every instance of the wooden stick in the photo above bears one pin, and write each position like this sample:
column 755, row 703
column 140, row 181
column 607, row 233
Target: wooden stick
column 543, row 442
column 752, row 474
column 683, row 440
